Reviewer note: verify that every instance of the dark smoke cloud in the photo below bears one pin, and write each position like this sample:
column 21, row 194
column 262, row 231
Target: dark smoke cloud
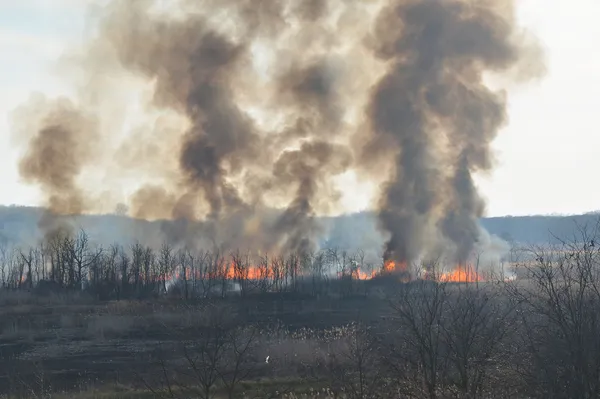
column 201, row 71
column 433, row 104
column 416, row 82
column 191, row 65
column 61, row 140
column 313, row 89
column 302, row 168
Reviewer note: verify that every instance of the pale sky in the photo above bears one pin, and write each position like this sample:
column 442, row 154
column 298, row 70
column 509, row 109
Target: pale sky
column 547, row 156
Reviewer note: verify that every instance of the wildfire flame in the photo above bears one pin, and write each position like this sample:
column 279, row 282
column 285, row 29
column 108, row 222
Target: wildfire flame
column 461, row 274
column 230, row 272
column 360, row 275
column 390, row 266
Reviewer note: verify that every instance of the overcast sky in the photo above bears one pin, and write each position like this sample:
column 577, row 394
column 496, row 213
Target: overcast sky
column 548, row 156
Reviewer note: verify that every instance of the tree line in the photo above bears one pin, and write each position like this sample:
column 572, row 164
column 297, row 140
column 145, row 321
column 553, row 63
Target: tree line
column 66, row 262
column 537, row 337
column 534, row 337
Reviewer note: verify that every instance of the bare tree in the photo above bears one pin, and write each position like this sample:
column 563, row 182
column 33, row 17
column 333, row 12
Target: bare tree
column 166, row 262
column 184, row 256
column 110, row 283
column 137, row 260
column 265, row 274
column 214, row 275
column 27, row 262
column 238, row 363
column 292, row 271
column 148, row 270
column 415, row 353
column 561, row 316
column 241, row 269
column 318, row 272
column 205, row 354
column 82, row 256
column 475, row 326
column 354, row 367
column 219, row 357
column 279, row 275
column 5, row 261
column 40, row 262
column 123, row 286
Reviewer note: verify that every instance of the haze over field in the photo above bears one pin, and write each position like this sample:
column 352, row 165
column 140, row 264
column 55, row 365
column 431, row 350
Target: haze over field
column 299, row 199
column 220, row 112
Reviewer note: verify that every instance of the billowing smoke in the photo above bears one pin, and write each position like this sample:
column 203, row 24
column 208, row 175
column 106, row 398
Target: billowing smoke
column 60, row 141
column 435, row 112
column 256, row 107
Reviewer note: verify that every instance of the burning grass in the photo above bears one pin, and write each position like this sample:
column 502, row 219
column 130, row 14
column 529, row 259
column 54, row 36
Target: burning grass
column 461, row 274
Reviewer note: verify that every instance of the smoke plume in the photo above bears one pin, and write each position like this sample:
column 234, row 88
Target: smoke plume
column 256, row 107
column 60, row 141
column 433, row 107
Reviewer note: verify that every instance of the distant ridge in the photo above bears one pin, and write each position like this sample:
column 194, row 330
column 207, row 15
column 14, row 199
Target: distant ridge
column 18, row 224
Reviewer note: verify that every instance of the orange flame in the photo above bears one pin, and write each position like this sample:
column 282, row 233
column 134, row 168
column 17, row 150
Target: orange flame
column 358, row 274
column 248, row 272
column 461, row 274
column 391, row 266
column 229, row 272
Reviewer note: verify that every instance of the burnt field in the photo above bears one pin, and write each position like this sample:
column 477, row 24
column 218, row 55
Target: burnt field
column 247, row 119
column 74, row 343
column 418, row 339
column 80, row 320
column 71, row 343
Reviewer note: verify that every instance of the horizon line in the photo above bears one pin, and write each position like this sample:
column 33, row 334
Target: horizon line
column 365, row 211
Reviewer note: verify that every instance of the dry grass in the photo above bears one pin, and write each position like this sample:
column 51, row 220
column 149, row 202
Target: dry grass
column 61, row 329
column 19, row 298
column 26, row 317
column 109, row 326
column 283, row 389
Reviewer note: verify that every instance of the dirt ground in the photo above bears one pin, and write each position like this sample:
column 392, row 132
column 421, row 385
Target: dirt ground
column 64, row 345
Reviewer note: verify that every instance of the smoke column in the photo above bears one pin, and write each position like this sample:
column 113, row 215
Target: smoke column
column 433, row 108
column 58, row 149
column 273, row 100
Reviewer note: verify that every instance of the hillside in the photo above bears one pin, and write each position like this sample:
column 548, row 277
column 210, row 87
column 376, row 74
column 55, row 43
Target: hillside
column 18, row 225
